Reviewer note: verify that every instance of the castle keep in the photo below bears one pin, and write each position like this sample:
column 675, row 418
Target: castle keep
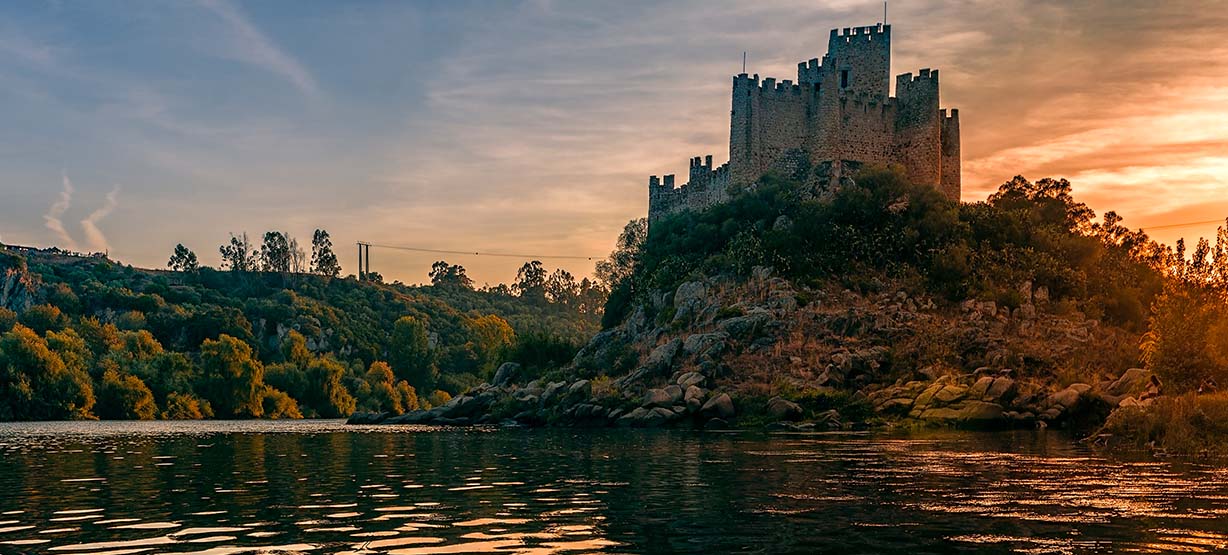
column 837, row 117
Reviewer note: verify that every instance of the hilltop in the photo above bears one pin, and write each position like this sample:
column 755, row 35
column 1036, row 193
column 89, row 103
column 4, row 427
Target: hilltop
column 877, row 302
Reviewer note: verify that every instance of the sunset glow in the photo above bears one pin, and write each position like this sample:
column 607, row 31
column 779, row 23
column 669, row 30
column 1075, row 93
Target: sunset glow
column 532, row 127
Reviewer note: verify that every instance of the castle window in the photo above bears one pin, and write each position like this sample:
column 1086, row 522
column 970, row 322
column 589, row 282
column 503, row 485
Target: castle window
column 844, row 78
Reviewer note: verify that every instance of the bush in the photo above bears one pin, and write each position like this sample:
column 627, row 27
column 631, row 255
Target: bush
column 124, row 397
column 185, row 406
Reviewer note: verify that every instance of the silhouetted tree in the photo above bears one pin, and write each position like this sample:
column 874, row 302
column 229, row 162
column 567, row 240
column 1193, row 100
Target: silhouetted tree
column 531, row 281
column 239, row 255
column 275, row 255
column 623, row 259
column 183, row 260
column 449, row 275
column 323, row 259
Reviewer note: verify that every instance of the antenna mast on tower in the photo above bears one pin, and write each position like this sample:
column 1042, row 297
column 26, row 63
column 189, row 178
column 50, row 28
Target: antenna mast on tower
column 884, row 12
column 743, row 61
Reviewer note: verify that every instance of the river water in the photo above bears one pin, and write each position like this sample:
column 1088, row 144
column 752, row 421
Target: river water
column 76, row 488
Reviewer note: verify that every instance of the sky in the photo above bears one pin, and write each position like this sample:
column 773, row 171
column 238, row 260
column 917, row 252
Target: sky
column 532, row 127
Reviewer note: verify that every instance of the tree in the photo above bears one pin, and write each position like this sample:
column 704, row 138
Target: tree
column 233, row 380
column 125, row 397
column 183, row 260
column 492, row 337
column 43, row 318
column 298, row 258
column 449, row 275
column 239, row 255
column 386, row 394
column 531, row 281
column 561, row 288
column 626, row 254
column 35, row 384
column 275, row 254
column 410, row 353
column 323, row 259
column 325, row 394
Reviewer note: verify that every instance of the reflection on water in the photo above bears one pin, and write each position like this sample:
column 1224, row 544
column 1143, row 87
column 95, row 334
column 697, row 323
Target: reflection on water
column 318, row 487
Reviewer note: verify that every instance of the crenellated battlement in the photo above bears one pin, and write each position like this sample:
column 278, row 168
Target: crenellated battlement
column 836, row 117
column 866, row 33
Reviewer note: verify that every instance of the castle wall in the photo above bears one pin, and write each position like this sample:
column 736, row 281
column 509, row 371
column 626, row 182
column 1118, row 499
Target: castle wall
column 767, row 121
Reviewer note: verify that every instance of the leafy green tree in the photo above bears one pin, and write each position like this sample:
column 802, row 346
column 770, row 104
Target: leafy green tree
column 325, row 394
column 323, row 259
column 43, row 318
column 410, row 353
column 100, row 337
column 386, row 394
column 8, row 319
column 492, row 338
column 240, row 255
column 233, row 381
column 449, row 275
column 276, row 254
column 35, row 384
column 183, row 260
column 124, row 397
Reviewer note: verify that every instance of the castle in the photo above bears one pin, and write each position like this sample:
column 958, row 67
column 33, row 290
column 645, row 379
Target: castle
column 837, row 117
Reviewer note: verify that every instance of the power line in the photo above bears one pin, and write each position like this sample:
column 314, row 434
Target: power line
column 1186, row 224
column 480, row 253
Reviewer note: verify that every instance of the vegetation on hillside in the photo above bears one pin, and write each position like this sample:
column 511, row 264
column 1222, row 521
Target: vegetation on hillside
column 277, row 334
column 883, row 232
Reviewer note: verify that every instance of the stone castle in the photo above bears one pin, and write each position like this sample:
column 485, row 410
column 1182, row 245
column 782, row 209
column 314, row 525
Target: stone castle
column 837, row 117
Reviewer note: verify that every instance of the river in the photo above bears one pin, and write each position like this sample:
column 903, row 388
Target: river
column 76, row 488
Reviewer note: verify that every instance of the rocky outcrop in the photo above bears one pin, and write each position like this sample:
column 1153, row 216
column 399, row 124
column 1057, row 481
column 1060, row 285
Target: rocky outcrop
column 685, row 357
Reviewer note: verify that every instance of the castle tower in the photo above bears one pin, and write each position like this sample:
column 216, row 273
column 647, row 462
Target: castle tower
column 837, row 117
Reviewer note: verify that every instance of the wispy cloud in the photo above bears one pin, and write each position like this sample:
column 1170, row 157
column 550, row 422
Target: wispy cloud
column 52, row 219
column 254, row 47
column 93, row 236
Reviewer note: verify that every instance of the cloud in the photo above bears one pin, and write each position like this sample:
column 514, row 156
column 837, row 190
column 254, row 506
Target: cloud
column 94, row 236
column 52, row 218
column 255, row 48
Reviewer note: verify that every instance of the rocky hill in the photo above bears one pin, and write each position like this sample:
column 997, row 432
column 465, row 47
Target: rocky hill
column 1017, row 312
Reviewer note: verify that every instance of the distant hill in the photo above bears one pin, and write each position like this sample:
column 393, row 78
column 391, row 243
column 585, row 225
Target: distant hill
column 85, row 336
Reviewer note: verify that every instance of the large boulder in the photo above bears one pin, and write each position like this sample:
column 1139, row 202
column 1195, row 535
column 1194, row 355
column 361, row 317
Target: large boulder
column 719, row 406
column 784, row 409
column 552, row 391
column 505, row 374
column 691, row 378
column 705, row 344
column 746, row 326
column 662, row 357
column 657, row 398
column 582, row 389
column 689, row 300
column 1133, row 382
